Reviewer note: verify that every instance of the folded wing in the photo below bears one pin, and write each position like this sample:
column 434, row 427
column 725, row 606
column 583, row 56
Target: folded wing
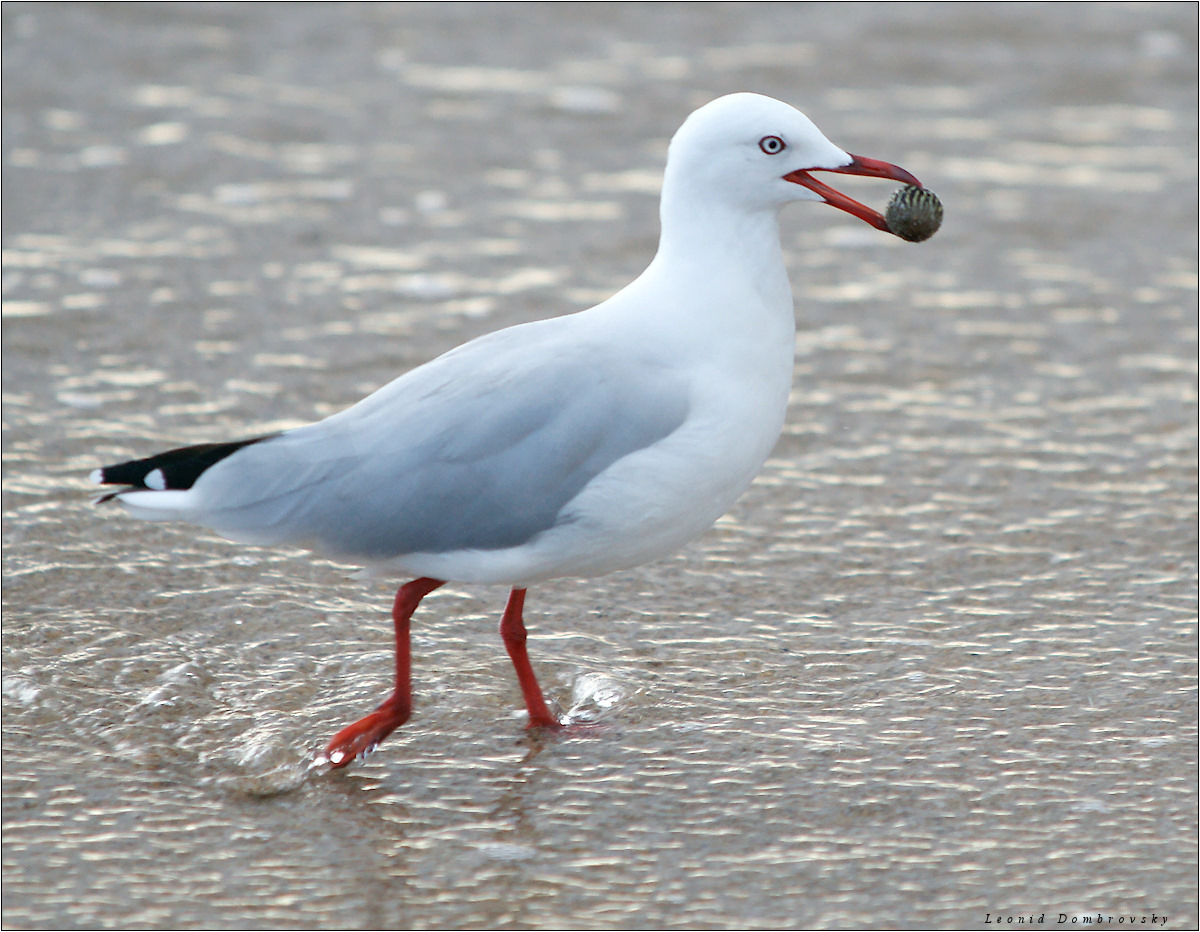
column 475, row 450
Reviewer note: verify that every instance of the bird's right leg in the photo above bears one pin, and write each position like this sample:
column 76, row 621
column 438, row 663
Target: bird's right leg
column 512, row 631
column 364, row 735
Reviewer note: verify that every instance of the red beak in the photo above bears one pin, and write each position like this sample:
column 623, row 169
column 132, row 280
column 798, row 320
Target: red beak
column 859, row 166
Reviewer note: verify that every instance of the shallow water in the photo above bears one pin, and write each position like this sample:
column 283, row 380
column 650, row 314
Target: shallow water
column 938, row 663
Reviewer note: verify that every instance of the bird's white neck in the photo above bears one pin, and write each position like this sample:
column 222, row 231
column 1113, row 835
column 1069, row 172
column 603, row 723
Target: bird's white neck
column 706, row 241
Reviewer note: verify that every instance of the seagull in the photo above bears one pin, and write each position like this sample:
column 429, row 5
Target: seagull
column 568, row 447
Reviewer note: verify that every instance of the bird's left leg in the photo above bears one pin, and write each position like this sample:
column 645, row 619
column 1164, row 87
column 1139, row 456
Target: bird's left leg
column 364, row 735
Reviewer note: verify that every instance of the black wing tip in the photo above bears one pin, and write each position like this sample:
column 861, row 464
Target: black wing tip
column 176, row 469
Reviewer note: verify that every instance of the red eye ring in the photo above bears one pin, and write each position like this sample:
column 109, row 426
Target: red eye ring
column 772, row 145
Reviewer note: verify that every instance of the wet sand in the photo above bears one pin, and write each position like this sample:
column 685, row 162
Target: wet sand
column 936, row 667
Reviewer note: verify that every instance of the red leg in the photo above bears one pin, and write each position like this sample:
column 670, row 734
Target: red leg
column 512, row 630
column 364, row 735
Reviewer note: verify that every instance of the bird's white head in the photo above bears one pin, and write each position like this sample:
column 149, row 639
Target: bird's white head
column 752, row 153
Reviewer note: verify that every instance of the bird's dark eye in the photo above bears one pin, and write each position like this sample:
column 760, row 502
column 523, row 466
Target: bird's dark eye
column 772, row 145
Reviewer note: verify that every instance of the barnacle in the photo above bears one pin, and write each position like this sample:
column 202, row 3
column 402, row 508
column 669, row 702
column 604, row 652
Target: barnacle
column 914, row 213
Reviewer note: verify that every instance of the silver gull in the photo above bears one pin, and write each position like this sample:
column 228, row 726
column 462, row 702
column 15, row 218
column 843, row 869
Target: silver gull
column 573, row 446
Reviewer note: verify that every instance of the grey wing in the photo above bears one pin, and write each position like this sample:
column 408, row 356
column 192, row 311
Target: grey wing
column 456, row 457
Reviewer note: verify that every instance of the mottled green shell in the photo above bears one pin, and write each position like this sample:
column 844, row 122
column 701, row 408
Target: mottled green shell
column 914, row 213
